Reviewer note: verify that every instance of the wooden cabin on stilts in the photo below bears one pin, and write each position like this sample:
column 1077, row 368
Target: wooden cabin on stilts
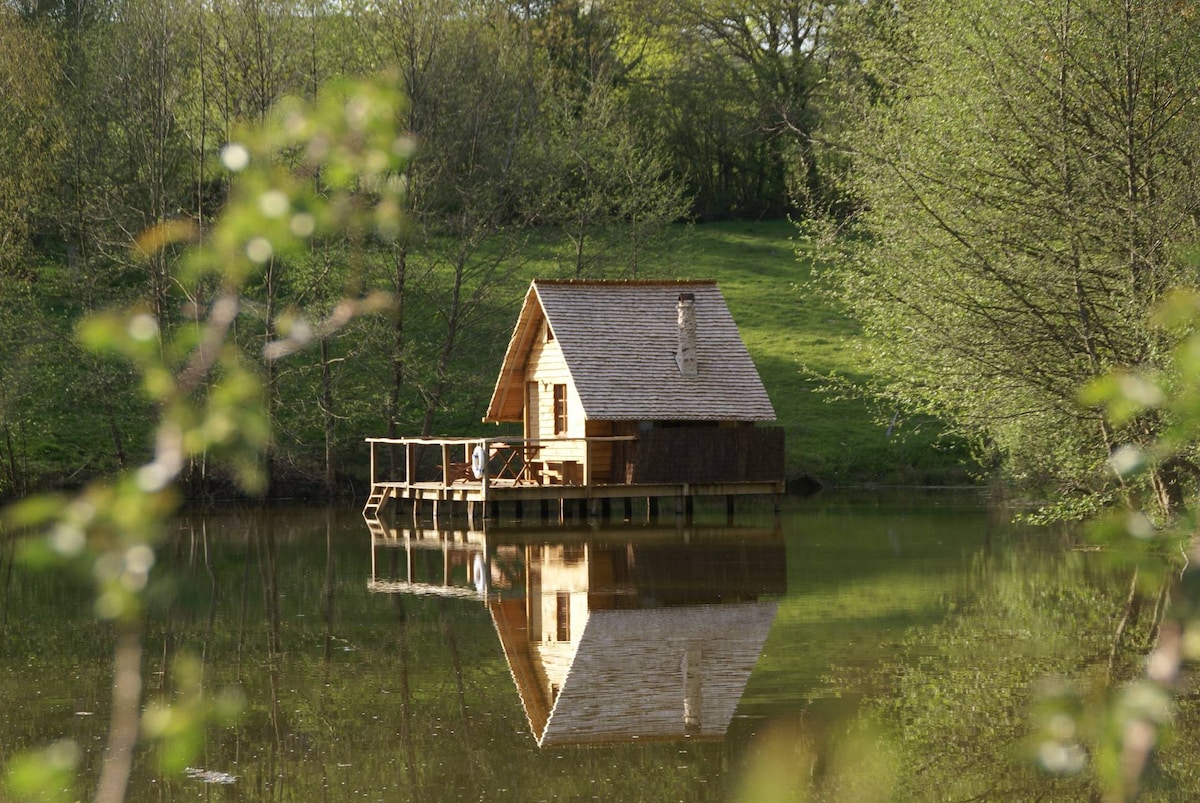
column 625, row 390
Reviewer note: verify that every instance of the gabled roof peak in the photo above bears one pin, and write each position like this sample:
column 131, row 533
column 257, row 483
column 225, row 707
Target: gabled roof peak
column 627, row 282
column 619, row 342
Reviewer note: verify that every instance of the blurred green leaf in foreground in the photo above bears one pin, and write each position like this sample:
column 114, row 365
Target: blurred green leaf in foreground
column 312, row 170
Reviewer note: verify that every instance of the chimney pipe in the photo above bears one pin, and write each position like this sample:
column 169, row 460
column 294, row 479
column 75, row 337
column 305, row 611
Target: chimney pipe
column 686, row 356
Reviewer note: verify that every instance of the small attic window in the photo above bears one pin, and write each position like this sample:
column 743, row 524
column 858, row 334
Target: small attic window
column 549, row 332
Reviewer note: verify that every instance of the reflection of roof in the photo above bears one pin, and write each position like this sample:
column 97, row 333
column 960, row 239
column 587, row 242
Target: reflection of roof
column 512, row 626
column 646, row 674
column 619, row 341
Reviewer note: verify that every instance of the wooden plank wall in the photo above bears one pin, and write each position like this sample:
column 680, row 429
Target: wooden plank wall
column 547, row 367
column 600, row 453
column 707, row 455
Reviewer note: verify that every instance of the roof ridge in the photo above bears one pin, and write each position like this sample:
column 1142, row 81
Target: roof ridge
column 627, row 282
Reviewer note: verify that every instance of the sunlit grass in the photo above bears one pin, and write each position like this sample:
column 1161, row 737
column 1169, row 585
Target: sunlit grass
column 794, row 332
column 791, row 330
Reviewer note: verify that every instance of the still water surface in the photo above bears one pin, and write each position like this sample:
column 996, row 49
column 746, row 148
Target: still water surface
column 857, row 647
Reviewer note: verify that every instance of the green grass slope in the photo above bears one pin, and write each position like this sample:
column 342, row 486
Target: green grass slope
column 66, row 416
column 788, row 328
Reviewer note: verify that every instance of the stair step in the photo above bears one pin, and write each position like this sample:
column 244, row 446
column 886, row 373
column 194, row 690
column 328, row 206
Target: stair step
column 375, row 501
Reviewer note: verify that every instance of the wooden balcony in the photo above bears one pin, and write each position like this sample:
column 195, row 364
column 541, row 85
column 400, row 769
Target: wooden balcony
column 677, row 462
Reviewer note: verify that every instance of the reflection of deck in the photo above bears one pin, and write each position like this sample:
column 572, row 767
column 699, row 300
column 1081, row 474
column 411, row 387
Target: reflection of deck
column 611, row 634
column 439, row 470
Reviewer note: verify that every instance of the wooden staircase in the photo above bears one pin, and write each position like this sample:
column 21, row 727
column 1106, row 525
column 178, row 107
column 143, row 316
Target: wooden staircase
column 377, row 501
column 377, row 529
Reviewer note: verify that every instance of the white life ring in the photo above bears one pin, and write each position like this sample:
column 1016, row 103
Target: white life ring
column 479, row 574
column 478, row 461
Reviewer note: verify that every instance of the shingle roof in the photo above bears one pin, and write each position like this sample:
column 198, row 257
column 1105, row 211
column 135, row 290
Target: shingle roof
column 625, row 680
column 619, row 341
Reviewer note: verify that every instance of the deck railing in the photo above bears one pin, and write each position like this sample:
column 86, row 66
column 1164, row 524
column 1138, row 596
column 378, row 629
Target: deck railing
column 486, row 460
column 667, row 455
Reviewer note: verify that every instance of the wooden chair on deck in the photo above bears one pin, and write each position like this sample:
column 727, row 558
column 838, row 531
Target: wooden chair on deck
column 460, row 471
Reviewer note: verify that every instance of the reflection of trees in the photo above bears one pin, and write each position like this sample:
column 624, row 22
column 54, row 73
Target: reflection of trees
column 329, row 586
column 7, row 555
column 406, row 701
column 213, row 596
column 266, row 550
column 960, row 691
column 380, row 720
column 455, row 659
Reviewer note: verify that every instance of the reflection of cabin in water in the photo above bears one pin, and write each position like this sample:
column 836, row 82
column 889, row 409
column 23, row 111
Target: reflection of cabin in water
column 622, row 389
column 649, row 636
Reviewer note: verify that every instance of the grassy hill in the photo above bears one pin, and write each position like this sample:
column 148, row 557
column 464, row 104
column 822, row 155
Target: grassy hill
column 787, row 328
column 66, row 416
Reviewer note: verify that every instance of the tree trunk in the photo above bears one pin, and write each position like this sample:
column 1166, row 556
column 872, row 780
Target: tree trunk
column 327, row 415
column 1168, row 489
column 270, row 374
column 114, row 430
column 392, row 411
column 10, row 453
column 434, row 399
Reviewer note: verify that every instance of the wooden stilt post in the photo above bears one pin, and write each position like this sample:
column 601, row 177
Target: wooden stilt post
column 409, row 569
column 628, row 508
column 652, row 509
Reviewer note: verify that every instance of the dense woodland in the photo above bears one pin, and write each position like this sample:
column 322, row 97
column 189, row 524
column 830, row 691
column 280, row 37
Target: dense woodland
column 1003, row 194
column 566, row 132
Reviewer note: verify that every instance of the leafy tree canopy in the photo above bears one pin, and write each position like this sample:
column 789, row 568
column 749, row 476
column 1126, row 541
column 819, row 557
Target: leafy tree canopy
column 1027, row 176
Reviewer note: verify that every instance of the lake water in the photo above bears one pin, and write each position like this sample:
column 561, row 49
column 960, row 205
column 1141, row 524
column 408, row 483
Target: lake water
column 857, row 647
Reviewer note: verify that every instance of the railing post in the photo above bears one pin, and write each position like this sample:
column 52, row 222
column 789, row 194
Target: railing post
column 372, row 464
column 587, row 463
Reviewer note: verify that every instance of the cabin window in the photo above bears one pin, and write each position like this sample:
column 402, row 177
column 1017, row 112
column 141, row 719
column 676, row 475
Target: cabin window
column 560, row 409
column 563, row 616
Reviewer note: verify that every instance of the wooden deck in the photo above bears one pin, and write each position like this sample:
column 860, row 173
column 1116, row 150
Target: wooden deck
column 412, row 471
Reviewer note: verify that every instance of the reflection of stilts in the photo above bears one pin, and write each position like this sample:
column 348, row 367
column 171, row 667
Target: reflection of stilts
column 610, row 634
